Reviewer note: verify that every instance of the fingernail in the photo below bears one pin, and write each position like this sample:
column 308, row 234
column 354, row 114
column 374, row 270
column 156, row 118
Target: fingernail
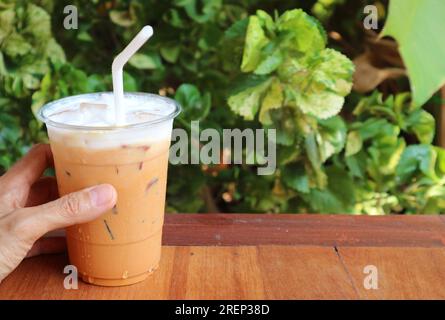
column 101, row 195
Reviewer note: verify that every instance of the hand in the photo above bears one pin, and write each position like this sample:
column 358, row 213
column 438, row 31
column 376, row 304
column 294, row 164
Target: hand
column 26, row 215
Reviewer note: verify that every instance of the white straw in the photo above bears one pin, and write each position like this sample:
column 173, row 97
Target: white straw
column 117, row 71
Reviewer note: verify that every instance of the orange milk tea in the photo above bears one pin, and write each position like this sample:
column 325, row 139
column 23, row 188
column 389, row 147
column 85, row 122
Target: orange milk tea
column 124, row 245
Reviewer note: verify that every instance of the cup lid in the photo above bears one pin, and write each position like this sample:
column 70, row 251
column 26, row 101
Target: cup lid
column 50, row 111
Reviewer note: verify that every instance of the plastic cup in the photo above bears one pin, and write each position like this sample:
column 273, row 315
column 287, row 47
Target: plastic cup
column 123, row 246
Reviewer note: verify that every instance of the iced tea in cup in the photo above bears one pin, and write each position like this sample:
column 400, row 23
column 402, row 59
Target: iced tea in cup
column 124, row 245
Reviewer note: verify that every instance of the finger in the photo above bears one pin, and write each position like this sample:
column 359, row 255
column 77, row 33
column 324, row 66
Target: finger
column 31, row 167
column 29, row 224
column 47, row 246
column 42, row 191
column 17, row 181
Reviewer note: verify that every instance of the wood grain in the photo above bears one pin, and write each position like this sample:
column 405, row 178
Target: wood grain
column 304, row 273
column 291, row 229
column 247, row 272
column 403, row 273
column 265, row 256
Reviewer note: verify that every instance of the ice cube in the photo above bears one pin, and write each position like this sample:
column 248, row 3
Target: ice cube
column 85, row 106
column 93, row 113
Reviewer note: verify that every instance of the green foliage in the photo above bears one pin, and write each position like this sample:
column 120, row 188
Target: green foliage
column 233, row 64
column 388, row 174
column 414, row 34
column 295, row 68
column 292, row 53
column 323, row 9
column 195, row 106
column 298, row 86
column 27, row 47
column 27, row 51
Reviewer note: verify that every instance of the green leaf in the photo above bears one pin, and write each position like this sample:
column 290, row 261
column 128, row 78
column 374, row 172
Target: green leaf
column 304, row 33
column 170, row 53
column 7, row 17
column 40, row 97
column 386, row 155
column 238, row 29
column 334, row 71
column 342, row 186
column 312, row 150
column 16, row 45
column 322, row 92
column 210, row 37
column 145, row 61
column 396, row 110
column 423, row 125
column 332, row 137
column 30, row 82
column 357, row 164
column 130, row 83
column 266, row 21
column 375, row 203
column 354, row 143
column 255, row 41
column 247, row 102
column 283, row 122
column 208, row 11
column 414, row 158
column 194, row 105
column 417, row 26
column 84, row 36
column 270, row 63
column 324, row 201
column 435, row 204
column 273, row 100
column 321, row 105
column 3, row 70
column 374, row 127
column 54, row 51
column 315, row 160
column 440, row 161
column 122, row 18
column 38, row 23
column 97, row 83
column 294, row 176
column 5, row 162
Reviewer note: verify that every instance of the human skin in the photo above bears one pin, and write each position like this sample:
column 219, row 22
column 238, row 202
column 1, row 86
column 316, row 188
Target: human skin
column 30, row 207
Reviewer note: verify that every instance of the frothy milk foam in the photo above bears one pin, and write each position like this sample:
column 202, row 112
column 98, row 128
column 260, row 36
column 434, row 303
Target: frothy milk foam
column 93, row 114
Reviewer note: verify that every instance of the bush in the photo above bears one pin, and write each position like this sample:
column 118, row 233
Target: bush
column 240, row 64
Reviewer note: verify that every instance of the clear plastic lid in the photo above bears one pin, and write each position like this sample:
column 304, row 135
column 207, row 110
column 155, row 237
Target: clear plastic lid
column 95, row 111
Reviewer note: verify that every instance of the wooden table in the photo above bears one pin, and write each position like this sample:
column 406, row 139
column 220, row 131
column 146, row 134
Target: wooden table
column 245, row 256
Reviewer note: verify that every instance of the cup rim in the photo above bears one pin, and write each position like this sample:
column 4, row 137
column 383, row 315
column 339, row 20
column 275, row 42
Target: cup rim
column 45, row 118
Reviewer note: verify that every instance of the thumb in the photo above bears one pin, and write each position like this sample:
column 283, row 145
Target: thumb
column 74, row 208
